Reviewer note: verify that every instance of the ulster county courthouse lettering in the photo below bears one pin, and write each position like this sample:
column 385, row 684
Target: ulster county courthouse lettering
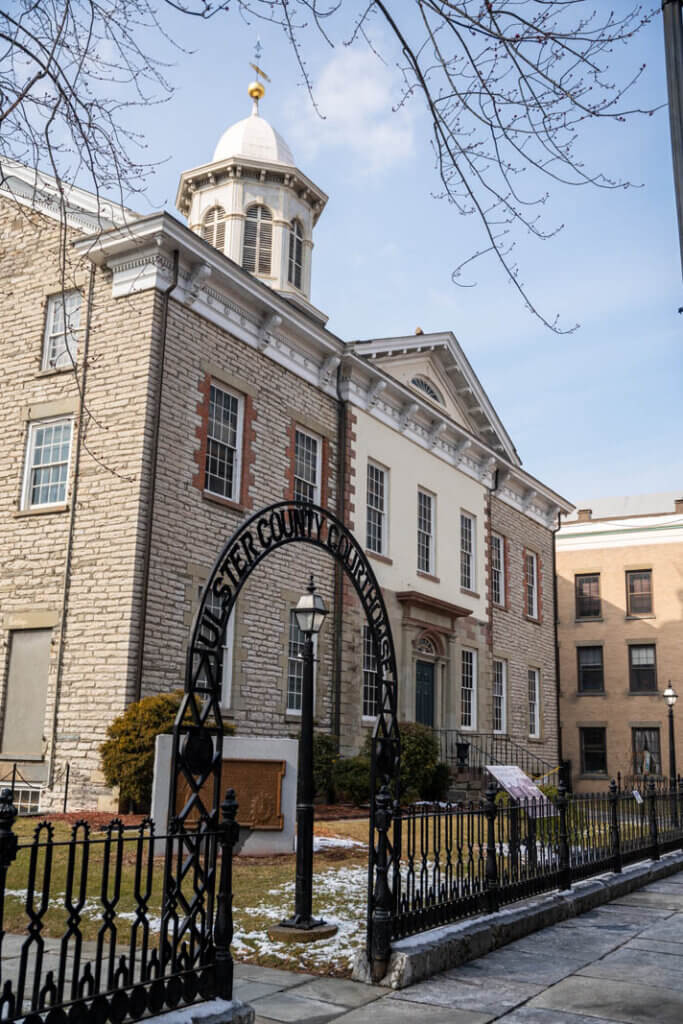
column 167, row 383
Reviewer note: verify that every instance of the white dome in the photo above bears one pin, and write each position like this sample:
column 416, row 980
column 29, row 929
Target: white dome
column 255, row 139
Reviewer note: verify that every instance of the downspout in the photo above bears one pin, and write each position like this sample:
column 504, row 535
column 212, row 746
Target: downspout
column 338, row 572
column 72, row 522
column 166, row 294
column 557, row 648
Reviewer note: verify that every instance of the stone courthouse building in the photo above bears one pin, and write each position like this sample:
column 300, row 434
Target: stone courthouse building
column 170, row 379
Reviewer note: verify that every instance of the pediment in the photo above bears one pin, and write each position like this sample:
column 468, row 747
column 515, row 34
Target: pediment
column 422, row 374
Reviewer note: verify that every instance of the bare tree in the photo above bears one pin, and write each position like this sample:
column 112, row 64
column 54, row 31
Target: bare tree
column 507, row 86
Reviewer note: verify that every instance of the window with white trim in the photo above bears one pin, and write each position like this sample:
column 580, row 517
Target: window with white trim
column 62, row 320
column 296, row 254
column 468, row 534
column 224, row 444
column 500, row 679
column 371, row 687
column 307, row 469
column 46, row 472
column 532, row 585
column 534, row 702
column 257, row 247
column 497, row 569
column 295, row 666
column 425, row 532
column 213, row 227
column 215, row 606
column 468, row 689
column 376, row 517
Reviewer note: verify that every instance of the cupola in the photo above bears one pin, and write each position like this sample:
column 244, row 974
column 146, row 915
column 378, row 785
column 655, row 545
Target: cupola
column 253, row 204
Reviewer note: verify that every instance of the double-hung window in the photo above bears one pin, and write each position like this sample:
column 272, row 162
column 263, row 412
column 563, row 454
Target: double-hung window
column 376, row 518
column 642, row 668
column 593, row 750
column 534, row 702
column 62, row 320
column 591, row 676
column 468, row 689
column 639, row 592
column 295, row 666
column 370, row 680
column 468, row 576
column 224, row 444
column 587, row 590
column 425, row 532
column 647, row 756
column 306, row 466
column 215, row 606
column 46, row 471
column 497, row 569
column 500, row 673
column 532, row 585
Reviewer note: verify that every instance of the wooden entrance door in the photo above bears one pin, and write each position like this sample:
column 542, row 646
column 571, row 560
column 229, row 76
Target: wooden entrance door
column 424, row 693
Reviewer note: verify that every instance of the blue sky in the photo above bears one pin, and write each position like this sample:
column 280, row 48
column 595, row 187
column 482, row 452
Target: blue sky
column 593, row 413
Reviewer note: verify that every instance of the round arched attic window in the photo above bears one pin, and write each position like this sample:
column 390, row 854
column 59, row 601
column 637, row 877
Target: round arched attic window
column 427, row 388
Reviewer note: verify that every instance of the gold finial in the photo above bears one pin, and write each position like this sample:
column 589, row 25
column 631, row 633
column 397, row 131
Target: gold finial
column 257, row 89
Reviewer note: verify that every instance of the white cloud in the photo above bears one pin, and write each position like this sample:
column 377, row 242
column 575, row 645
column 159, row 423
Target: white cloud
column 356, row 94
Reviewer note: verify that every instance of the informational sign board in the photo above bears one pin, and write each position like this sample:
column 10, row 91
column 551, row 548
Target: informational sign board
column 520, row 787
column 637, row 797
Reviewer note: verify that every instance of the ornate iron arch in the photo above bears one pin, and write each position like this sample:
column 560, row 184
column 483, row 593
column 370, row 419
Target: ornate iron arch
column 198, row 729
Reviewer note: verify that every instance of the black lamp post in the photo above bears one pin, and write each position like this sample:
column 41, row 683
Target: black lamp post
column 670, row 696
column 310, row 614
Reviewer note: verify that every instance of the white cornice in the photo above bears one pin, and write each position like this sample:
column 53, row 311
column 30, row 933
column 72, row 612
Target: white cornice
column 368, row 386
column 140, row 257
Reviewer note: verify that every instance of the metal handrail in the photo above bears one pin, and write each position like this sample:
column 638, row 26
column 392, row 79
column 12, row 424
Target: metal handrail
column 490, row 748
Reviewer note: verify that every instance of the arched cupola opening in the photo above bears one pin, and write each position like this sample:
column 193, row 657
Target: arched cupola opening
column 213, row 227
column 257, row 247
column 296, row 254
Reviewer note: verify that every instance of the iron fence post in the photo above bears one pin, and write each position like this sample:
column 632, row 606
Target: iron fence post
column 565, row 867
column 228, row 833
column 8, row 852
column 652, row 804
column 513, row 840
column 614, row 836
column 491, row 876
column 382, row 902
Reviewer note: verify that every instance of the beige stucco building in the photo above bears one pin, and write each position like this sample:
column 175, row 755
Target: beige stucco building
column 168, row 381
column 620, row 629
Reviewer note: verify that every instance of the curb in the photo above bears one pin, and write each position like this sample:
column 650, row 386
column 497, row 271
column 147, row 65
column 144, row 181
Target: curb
column 421, row 956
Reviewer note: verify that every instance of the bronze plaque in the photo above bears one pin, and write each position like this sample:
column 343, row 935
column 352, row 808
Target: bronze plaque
column 258, row 789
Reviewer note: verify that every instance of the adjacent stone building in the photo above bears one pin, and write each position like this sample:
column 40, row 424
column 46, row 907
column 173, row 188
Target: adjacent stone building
column 620, row 629
column 168, row 381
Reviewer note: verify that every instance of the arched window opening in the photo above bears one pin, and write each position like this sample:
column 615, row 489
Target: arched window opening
column 296, row 254
column 213, row 227
column 426, row 646
column 427, row 388
column 258, row 240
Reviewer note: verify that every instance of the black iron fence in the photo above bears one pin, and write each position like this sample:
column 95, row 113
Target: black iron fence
column 471, row 751
column 454, row 861
column 100, row 925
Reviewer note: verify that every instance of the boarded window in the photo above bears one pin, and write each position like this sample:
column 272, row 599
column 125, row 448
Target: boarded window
column 24, row 719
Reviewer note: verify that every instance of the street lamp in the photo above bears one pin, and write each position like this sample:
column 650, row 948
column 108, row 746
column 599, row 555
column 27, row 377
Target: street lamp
column 310, row 614
column 670, row 696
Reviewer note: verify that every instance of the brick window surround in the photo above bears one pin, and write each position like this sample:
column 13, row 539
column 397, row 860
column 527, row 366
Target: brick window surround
column 248, row 439
column 289, row 465
column 505, row 603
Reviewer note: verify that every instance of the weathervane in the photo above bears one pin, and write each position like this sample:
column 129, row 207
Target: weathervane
column 257, row 89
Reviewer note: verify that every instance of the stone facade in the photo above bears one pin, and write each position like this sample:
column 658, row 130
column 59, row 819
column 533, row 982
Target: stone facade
column 520, row 640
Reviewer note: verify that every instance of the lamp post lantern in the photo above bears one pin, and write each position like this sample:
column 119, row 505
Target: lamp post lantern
column 310, row 614
column 670, row 696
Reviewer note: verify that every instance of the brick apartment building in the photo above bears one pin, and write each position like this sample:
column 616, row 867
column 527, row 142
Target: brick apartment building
column 620, row 629
column 168, row 381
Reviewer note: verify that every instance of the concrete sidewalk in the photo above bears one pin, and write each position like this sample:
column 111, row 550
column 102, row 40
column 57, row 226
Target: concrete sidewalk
column 619, row 964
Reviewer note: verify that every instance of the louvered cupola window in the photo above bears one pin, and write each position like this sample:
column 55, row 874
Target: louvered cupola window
column 258, row 240
column 213, row 227
column 296, row 254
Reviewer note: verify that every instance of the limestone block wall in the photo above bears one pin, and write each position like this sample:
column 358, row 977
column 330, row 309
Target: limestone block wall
column 526, row 643
column 191, row 526
column 95, row 681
